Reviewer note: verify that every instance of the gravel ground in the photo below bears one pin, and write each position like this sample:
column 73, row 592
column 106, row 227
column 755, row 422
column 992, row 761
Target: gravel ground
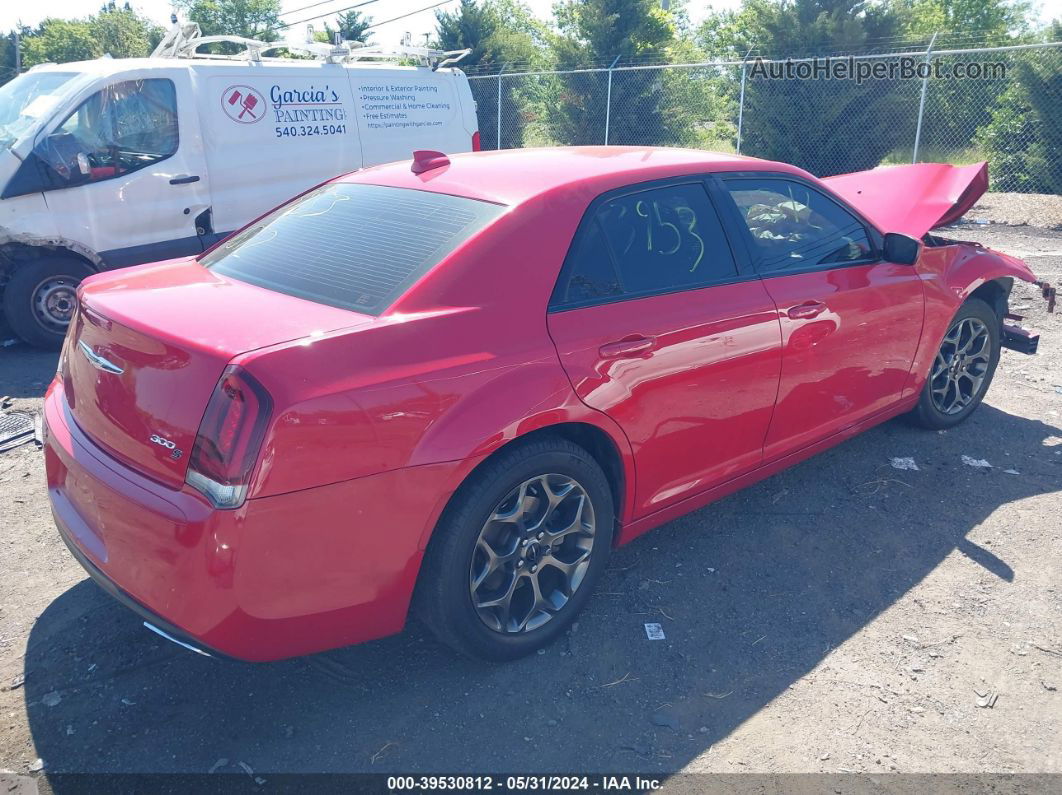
column 1019, row 209
column 842, row 616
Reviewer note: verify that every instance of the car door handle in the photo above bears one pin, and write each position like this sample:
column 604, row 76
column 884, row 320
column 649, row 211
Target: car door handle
column 184, row 179
column 627, row 347
column 807, row 310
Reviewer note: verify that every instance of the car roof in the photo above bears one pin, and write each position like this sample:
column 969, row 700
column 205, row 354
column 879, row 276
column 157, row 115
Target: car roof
column 512, row 176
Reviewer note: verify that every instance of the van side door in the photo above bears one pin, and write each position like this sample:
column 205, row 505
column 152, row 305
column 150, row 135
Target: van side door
column 272, row 131
column 141, row 183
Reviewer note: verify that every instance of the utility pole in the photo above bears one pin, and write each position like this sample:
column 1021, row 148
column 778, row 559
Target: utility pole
column 18, row 49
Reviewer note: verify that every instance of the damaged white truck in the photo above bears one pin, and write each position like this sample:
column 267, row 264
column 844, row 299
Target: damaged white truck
column 117, row 162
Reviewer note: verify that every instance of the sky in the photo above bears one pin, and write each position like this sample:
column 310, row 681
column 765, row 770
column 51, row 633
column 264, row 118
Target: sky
column 11, row 12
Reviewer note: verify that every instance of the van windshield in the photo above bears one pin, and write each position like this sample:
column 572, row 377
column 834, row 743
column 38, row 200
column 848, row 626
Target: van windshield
column 26, row 100
column 352, row 246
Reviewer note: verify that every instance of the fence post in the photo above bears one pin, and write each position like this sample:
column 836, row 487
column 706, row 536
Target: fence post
column 608, row 97
column 922, row 101
column 741, row 99
column 497, row 144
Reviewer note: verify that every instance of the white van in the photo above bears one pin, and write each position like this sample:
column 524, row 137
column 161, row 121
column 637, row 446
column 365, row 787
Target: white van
column 116, row 162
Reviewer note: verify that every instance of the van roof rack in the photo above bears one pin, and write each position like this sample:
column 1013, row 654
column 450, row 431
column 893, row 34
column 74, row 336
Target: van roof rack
column 184, row 41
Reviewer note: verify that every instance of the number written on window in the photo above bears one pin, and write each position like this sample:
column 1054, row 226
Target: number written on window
column 643, row 243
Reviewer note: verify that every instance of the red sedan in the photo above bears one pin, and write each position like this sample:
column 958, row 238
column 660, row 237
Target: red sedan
column 453, row 385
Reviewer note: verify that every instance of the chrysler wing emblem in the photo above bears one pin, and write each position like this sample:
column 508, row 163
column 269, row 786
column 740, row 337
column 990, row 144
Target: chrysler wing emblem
column 99, row 362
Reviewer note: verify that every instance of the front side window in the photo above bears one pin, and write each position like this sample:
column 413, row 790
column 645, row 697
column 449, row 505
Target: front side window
column 794, row 227
column 123, row 128
column 653, row 241
column 357, row 247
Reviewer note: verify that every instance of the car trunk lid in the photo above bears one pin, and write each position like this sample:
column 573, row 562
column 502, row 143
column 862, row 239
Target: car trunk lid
column 150, row 344
column 913, row 199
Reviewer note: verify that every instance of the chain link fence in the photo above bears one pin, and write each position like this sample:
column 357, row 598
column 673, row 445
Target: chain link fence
column 829, row 115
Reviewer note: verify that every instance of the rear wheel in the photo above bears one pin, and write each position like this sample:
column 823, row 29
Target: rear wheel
column 963, row 368
column 518, row 553
column 40, row 299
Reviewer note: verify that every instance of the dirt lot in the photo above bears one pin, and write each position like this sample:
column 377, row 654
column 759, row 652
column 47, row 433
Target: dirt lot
column 842, row 616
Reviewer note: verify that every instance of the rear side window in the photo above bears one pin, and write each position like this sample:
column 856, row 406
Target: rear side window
column 646, row 243
column 356, row 247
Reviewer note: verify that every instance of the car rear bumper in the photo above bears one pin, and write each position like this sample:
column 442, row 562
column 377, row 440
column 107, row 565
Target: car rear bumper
column 151, row 620
column 281, row 576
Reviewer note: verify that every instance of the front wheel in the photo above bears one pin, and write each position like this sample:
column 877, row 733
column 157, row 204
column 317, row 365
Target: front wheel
column 963, row 368
column 40, row 299
column 517, row 554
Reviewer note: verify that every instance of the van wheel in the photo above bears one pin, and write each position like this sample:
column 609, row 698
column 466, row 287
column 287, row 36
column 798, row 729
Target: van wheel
column 518, row 552
column 41, row 297
column 963, row 368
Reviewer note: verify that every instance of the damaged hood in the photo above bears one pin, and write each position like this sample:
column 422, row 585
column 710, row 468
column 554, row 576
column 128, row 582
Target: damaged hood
column 913, row 199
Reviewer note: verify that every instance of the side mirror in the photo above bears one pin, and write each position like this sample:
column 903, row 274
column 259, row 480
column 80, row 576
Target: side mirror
column 901, row 249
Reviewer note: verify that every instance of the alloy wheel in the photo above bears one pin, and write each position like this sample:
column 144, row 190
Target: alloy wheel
column 961, row 366
column 532, row 553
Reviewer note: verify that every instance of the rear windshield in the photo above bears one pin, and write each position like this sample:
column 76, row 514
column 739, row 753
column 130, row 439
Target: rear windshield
column 356, row 247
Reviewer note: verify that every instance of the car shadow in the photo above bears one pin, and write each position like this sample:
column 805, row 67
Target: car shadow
column 27, row 371
column 752, row 592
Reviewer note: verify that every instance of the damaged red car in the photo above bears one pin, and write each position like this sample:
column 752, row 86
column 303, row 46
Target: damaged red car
column 452, row 386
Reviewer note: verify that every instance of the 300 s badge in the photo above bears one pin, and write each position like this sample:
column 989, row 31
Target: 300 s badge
column 171, row 446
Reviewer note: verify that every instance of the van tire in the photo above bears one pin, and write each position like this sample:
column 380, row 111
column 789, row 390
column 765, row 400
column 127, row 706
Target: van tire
column 40, row 293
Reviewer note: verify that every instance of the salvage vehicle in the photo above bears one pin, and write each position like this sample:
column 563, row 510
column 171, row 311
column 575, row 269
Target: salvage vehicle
column 456, row 383
column 116, row 162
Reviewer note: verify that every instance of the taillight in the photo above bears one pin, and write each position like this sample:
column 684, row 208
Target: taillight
column 61, row 365
column 71, row 331
column 475, row 141
column 229, row 439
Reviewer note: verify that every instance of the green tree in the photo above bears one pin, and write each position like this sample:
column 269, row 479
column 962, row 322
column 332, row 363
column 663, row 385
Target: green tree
column 598, row 32
column 986, row 22
column 824, row 126
column 254, row 19
column 121, row 33
column 1011, row 140
column 7, row 54
column 956, row 109
column 1023, row 138
column 500, row 35
column 1042, row 78
column 60, row 41
column 116, row 31
column 353, row 26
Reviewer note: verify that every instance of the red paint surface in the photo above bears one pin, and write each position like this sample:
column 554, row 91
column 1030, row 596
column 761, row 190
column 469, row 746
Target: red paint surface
column 913, row 199
column 377, row 421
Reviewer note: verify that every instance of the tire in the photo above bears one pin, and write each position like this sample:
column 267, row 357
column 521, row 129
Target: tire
column 485, row 512
column 39, row 295
column 941, row 405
